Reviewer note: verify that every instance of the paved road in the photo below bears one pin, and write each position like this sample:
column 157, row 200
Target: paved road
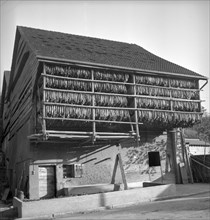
column 194, row 207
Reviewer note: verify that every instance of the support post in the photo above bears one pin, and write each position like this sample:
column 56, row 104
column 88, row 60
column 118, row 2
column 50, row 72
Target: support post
column 119, row 160
column 182, row 145
column 43, row 101
column 188, row 162
column 93, row 109
column 173, row 144
column 171, row 98
column 136, row 111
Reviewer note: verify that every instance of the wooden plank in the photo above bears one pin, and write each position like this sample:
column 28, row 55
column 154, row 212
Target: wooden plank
column 112, row 67
column 93, row 109
column 44, row 98
column 89, row 92
column 21, row 104
column 122, row 108
column 119, row 160
column 5, row 194
column 136, row 112
column 18, row 125
column 28, row 73
column 88, row 132
column 173, row 150
column 120, row 83
column 86, row 80
column 89, row 106
column 23, row 87
column 123, row 95
column 188, row 163
column 114, row 170
column 20, row 113
column 90, row 120
column 122, row 171
column 182, row 145
column 183, row 172
column 20, row 91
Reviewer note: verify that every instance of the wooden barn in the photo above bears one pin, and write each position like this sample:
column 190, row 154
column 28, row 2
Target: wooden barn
column 75, row 107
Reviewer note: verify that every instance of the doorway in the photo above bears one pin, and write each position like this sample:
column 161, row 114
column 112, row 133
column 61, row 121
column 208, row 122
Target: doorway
column 47, row 183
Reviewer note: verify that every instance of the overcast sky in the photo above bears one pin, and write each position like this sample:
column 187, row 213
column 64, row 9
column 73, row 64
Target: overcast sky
column 174, row 30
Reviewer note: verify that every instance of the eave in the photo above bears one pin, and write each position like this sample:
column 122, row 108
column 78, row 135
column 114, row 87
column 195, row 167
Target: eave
column 129, row 70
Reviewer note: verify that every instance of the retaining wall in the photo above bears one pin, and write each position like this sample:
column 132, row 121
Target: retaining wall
column 59, row 206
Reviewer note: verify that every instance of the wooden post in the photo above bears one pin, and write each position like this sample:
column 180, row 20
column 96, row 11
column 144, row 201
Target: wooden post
column 93, row 109
column 184, row 168
column 173, row 145
column 122, row 171
column 119, row 160
column 43, row 106
column 188, row 162
column 114, row 170
column 161, row 172
column 136, row 111
column 171, row 98
column 197, row 87
column 182, row 145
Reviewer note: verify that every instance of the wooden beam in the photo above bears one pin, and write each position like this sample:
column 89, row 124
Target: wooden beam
column 119, row 160
column 173, row 149
column 119, row 83
column 122, row 95
column 43, row 106
column 79, row 137
column 122, row 171
column 136, row 112
column 90, row 133
column 118, row 108
column 86, row 80
column 171, row 98
column 114, row 67
column 93, row 109
column 188, row 162
column 90, row 120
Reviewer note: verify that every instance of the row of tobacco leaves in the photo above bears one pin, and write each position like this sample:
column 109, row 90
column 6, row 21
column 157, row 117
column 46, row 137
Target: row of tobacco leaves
column 154, row 110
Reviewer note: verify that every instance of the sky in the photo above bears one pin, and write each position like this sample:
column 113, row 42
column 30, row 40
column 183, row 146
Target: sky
column 177, row 31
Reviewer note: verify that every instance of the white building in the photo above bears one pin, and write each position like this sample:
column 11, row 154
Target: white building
column 198, row 147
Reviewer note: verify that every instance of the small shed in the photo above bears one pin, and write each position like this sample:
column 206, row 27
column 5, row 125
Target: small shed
column 197, row 146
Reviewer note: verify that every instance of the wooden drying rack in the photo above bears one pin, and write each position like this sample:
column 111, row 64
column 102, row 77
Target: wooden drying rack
column 94, row 135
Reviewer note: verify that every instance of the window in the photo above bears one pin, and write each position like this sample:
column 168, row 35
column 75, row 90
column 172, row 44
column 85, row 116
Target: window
column 72, row 171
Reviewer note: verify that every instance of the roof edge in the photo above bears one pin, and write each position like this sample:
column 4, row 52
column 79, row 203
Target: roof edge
column 19, row 28
column 62, row 60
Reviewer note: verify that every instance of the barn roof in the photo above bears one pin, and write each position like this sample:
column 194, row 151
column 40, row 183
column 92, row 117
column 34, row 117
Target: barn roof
column 58, row 45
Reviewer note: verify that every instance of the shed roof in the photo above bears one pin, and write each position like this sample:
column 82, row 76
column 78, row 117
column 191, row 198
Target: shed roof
column 197, row 142
column 58, row 45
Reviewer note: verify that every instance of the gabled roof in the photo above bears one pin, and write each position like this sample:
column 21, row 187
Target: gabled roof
column 57, row 45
